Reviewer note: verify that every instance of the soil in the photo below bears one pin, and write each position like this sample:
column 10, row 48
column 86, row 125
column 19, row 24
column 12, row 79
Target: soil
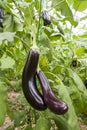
column 11, row 97
column 82, row 126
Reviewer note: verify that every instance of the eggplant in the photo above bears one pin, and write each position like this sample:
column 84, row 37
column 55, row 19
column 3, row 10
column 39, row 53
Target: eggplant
column 56, row 105
column 74, row 63
column 31, row 93
column 1, row 13
column 1, row 22
column 46, row 18
column 1, row 17
column 85, row 83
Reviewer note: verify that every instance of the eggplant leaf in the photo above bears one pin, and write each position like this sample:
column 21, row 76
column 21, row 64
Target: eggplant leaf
column 3, row 97
column 43, row 124
column 64, row 94
column 80, row 86
column 6, row 36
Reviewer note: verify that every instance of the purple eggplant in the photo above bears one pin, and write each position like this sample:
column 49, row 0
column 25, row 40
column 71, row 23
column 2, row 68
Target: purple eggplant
column 1, row 17
column 56, row 105
column 74, row 63
column 85, row 83
column 31, row 93
column 46, row 18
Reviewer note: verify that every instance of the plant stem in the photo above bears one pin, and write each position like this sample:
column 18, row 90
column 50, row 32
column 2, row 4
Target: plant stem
column 37, row 36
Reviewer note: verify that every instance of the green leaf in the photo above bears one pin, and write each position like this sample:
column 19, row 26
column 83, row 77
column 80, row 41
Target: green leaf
column 6, row 36
column 80, row 5
column 61, row 123
column 72, row 120
column 18, row 24
column 12, row 23
column 6, row 62
column 43, row 124
column 81, row 50
column 28, row 15
column 77, row 80
column 59, row 120
column 70, row 2
column 57, row 69
column 76, row 97
column 62, row 5
column 84, row 96
column 8, row 23
column 18, row 117
column 3, row 97
column 10, row 128
column 28, row 128
column 83, row 18
column 80, row 87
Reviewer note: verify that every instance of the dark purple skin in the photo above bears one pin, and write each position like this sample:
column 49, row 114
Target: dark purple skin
column 85, row 83
column 1, row 22
column 46, row 18
column 1, row 17
column 29, row 86
column 56, row 105
column 74, row 63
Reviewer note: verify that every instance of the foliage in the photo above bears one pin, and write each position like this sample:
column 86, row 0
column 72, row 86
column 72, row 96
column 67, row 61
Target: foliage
column 3, row 97
column 58, row 46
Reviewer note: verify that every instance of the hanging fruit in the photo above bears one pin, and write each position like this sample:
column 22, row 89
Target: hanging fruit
column 29, row 86
column 46, row 18
column 56, row 105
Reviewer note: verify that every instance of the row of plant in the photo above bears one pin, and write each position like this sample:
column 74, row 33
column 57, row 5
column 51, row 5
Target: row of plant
column 48, row 27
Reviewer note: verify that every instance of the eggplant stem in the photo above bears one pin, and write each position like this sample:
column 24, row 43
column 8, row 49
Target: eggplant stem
column 38, row 30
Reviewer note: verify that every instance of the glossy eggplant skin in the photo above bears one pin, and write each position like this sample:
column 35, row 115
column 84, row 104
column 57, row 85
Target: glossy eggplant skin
column 29, row 86
column 56, row 105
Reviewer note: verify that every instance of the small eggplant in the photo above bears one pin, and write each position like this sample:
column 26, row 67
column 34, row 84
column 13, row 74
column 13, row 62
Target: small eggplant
column 56, row 105
column 1, row 22
column 85, row 83
column 1, row 17
column 46, row 18
column 74, row 63
column 1, row 13
column 29, row 86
